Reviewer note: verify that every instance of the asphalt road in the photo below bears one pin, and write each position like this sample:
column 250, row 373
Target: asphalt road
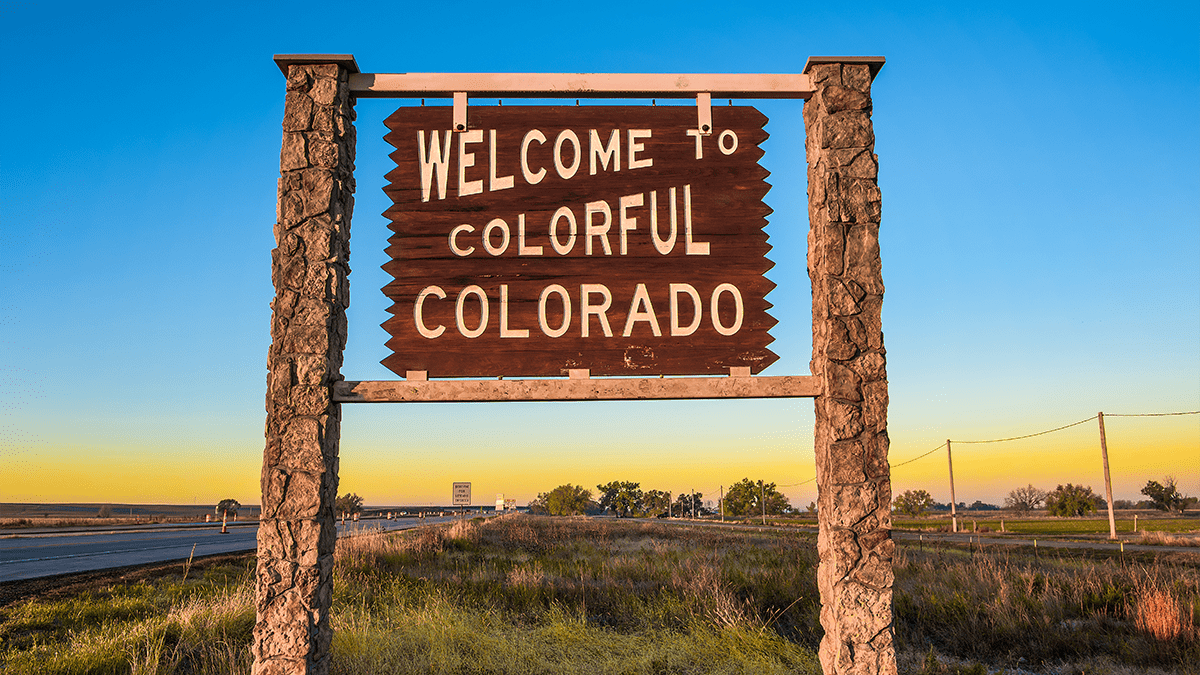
column 40, row 554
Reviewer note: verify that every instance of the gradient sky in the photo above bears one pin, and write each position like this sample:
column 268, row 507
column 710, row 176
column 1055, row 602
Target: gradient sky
column 1040, row 172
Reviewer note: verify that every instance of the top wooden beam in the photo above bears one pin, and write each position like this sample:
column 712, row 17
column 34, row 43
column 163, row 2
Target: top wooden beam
column 285, row 60
column 580, row 85
column 873, row 63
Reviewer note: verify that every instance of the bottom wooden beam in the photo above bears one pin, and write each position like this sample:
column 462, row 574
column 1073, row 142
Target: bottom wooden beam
column 615, row 389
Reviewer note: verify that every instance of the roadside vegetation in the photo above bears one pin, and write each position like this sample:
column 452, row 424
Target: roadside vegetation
column 1050, row 526
column 535, row 594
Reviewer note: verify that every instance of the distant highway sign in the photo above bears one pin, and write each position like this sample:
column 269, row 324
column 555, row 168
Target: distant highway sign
column 462, row 494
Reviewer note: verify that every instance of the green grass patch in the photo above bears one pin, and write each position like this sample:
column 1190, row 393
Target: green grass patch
column 1054, row 526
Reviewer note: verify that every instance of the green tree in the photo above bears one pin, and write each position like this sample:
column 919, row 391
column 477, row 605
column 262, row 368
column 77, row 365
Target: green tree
column 538, row 506
column 348, row 504
column 228, row 507
column 621, row 497
column 567, row 500
column 913, row 502
column 655, row 502
column 746, row 498
column 1165, row 496
column 1026, row 499
column 1071, row 500
column 687, row 503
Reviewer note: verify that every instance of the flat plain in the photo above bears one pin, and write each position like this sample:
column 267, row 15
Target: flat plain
column 528, row 594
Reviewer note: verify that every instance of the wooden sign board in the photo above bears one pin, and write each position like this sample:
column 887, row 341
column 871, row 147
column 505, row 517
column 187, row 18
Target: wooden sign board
column 619, row 240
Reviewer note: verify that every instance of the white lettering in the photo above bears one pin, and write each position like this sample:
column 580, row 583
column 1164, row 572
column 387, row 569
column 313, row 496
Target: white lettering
column 522, row 249
column 611, row 151
column 566, row 303
column 505, row 332
column 495, row 224
column 640, row 309
column 531, row 177
column 562, row 169
column 699, row 142
column 625, row 222
column 663, row 246
column 590, row 230
column 676, row 329
column 436, row 159
column 738, row 310
column 559, row 248
column 418, row 314
column 586, row 307
column 635, row 148
column 461, row 252
column 689, row 247
column 483, row 311
column 732, row 137
column 467, row 159
column 494, row 182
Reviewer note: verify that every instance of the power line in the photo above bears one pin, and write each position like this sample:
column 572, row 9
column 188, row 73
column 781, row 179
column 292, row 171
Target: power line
column 1017, row 438
column 1190, row 412
column 1040, row 433
column 803, row 482
column 910, row 461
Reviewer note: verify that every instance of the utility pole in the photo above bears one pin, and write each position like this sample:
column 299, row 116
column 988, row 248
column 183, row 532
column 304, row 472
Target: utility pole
column 763, row 498
column 722, row 503
column 1112, row 521
column 953, row 508
column 669, row 505
column 692, row 499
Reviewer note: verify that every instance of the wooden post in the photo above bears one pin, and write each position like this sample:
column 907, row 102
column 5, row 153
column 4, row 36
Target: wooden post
column 763, row 498
column 850, row 440
column 309, row 267
column 953, row 508
column 722, row 503
column 1112, row 520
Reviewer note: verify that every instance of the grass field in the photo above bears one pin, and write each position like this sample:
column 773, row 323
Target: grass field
column 524, row 594
column 18, row 516
column 1056, row 526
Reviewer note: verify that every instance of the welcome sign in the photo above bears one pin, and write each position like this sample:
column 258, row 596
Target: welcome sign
column 615, row 239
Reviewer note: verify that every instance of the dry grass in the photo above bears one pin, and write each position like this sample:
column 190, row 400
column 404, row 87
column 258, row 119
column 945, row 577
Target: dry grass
column 1160, row 613
column 521, row 594
column 50, row 523
column 1163, row 539
column 999, row 607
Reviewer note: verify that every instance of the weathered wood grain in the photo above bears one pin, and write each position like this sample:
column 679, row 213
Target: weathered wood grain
column 727, row 214
column 583, row 389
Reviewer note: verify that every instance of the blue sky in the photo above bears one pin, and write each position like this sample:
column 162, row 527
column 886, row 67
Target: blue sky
column 1040, row 243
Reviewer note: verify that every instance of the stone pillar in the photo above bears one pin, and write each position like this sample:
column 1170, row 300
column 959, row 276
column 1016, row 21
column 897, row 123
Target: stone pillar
column 309, row 268
column 851, row 441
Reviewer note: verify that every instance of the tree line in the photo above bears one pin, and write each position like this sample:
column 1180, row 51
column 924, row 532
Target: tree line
column 1065, row 500
column 626, row 499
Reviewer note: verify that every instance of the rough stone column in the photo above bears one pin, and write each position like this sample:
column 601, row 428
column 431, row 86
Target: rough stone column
column 309, row 268
column 853, row 476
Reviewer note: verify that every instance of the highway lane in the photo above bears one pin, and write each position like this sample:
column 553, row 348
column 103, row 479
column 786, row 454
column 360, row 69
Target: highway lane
column 32, row 555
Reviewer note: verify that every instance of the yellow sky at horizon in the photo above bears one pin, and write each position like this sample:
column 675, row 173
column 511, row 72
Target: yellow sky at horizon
column 1140, row 449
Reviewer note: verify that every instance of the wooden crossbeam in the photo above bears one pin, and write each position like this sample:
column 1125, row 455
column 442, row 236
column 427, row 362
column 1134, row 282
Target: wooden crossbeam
column 577, row 389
